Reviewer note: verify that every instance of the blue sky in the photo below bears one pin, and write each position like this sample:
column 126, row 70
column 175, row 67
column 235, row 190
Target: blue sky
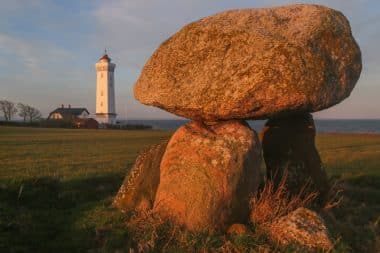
column 48, row 48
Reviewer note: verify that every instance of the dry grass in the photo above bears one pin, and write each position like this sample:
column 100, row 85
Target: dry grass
column 275, row 201
column 150, row 233
column 334, row 196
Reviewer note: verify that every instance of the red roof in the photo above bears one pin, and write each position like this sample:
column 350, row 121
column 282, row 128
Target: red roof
column 105, row 57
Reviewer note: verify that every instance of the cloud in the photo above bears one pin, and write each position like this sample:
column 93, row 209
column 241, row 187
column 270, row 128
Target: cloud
column 36, row 72
column 34, row 57
column 19, row 5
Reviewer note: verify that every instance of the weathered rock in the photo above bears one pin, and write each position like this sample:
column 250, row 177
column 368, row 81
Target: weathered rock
column 303, row 227
column 253, row 64
column 289, row 145
column 139, row 188
column 237, row 229
column 208, row 174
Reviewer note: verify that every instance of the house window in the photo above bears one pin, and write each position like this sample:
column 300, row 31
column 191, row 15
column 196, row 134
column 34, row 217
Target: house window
column 101, row 103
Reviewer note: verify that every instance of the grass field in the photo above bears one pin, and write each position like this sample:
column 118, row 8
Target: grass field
column 56, row 187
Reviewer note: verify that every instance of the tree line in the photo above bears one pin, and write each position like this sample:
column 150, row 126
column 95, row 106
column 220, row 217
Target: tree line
column 27, row 112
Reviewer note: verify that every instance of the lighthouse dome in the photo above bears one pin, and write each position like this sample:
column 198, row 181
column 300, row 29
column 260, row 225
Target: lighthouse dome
column 105, row 58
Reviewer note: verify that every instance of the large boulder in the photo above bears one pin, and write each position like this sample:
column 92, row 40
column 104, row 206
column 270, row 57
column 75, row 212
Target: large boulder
column 289, row 150
column 303, row 227
column 208, row 174
column 253, row 64
column 138, row 191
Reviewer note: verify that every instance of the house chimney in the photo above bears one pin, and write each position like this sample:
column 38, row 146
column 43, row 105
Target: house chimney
column 69, row 106
column 62, row 106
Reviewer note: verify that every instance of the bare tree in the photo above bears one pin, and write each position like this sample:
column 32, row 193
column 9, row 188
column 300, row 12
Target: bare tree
column 28, row 112
column 8, row 108
column 33, row 113
column 22, row 110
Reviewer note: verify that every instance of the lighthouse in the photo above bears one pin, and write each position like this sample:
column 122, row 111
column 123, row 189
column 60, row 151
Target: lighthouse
column 105, row 90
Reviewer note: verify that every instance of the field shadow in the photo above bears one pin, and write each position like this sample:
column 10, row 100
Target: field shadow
column 356, row 219
column 45, row 214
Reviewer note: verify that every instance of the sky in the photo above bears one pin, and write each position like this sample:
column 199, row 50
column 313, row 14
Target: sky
column 48, row 49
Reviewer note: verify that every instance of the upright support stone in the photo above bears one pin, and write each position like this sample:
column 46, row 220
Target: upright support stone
column 288, row 144
column 139, row 188
column 208, row 174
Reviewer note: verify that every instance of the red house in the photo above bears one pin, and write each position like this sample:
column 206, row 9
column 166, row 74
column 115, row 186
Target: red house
column 86, row 123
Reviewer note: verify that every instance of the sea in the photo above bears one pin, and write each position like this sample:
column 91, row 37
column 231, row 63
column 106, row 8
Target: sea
column 322, row 125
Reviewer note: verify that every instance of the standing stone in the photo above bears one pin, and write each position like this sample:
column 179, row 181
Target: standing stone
column 288, row 144
column 208, row 174
column 253, row 64
column 139, row 188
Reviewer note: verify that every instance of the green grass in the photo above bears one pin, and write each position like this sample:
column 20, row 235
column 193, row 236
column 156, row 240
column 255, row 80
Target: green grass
column 56, row 187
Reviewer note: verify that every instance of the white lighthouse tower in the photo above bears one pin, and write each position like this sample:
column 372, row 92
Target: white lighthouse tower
column 105, row 90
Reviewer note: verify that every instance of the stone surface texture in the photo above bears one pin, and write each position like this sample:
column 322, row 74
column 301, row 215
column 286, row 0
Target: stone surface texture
column 253, row 64
column 138, row 191
column 303, row 227
column 289, row 145
column 208, row 174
